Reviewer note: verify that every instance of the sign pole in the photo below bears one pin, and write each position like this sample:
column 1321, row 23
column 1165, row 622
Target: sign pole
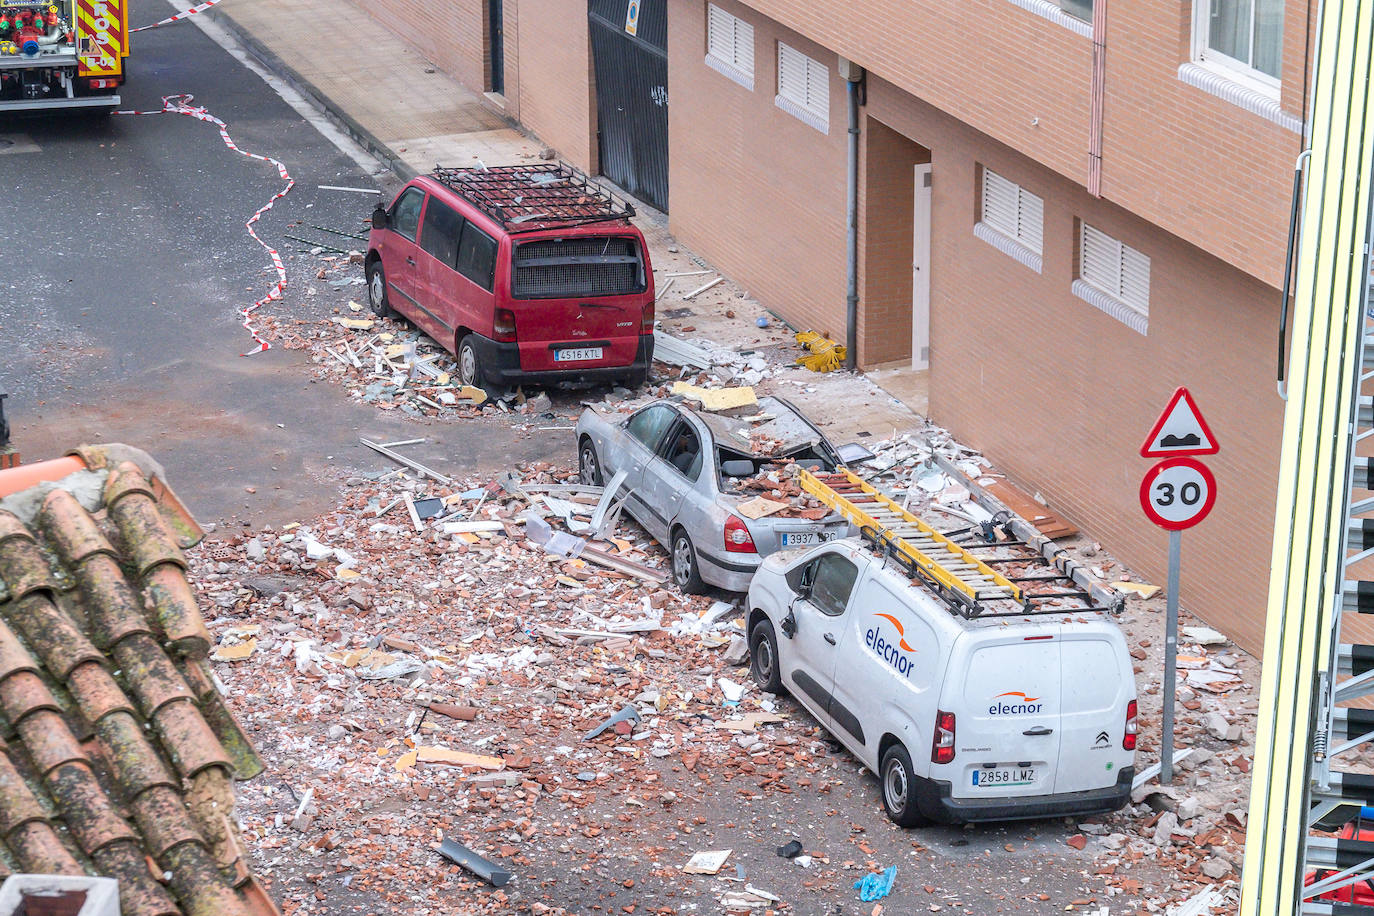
column 1166, row 743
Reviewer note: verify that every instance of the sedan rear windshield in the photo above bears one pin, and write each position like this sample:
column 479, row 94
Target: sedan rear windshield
column 581, row 267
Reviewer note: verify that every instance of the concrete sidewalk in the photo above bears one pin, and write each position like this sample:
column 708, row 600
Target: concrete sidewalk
column 412, row 116
column 404, row 110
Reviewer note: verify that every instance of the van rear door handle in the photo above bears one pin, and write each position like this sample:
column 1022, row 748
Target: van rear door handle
column 830, row 638
column 410, row 260
column 1038, row 730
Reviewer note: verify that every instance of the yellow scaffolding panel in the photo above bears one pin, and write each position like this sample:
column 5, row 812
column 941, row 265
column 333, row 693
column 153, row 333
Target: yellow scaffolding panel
column 1309, row 543
column 948, row 563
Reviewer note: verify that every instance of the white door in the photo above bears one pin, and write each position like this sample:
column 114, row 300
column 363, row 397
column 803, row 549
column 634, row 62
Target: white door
column 920, row 270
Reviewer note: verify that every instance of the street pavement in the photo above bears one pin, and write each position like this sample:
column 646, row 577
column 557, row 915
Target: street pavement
column 127, row 262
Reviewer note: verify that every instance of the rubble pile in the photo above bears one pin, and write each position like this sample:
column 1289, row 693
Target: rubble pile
column 450, row 682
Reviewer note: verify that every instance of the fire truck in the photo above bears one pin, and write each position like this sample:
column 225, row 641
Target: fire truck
column 62, row 53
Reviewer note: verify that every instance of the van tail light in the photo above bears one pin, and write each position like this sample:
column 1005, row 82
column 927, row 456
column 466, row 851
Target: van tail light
column 504, row 325
column 646, row 321
column 1128, row 740
column 942, row 745
column 737, row 537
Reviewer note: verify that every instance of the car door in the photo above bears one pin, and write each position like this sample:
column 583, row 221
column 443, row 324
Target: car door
column 671, row 475
column 401, row 254
column 894, row 657
column 818, row 614
column 437, row 298
column 632, row 447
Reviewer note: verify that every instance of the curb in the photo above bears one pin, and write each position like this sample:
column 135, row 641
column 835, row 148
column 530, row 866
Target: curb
column 284, row 71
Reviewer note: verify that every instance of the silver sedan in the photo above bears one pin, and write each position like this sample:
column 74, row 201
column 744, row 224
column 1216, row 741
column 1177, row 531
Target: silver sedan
column 685, row 469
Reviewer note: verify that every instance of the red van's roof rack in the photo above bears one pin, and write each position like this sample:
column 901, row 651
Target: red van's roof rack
column 527, row 198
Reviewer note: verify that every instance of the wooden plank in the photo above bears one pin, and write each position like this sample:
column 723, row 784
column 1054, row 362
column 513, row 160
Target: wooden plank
column 1038, row 514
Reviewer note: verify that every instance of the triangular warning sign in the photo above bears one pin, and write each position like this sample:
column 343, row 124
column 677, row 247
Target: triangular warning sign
column 1180, row 430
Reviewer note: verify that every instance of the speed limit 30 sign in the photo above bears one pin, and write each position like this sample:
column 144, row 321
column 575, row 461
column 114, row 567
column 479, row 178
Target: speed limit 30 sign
column 1178, row 493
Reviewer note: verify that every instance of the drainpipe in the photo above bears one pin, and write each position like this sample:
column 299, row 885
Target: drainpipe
column 853, row 76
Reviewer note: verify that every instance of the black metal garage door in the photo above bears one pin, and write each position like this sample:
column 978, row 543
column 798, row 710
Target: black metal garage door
column 630, row 52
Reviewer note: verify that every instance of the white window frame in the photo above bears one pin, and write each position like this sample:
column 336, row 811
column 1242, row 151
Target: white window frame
column 1011, row 219
column 1225, row 65
column 738, row 62
column 1117, row 282
column 813, row 103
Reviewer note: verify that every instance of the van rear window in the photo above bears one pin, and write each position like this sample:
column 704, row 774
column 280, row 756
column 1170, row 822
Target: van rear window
column 577, row 267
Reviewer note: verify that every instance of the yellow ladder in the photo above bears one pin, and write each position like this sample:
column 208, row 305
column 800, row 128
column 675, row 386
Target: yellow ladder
column 944, row 561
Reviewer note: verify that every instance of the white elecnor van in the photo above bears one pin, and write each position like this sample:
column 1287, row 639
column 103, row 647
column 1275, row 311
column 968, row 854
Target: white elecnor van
column 989, row 718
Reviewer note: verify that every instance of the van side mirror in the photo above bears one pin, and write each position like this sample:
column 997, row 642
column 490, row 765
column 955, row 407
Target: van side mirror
column 789, row 624
column 379, row 217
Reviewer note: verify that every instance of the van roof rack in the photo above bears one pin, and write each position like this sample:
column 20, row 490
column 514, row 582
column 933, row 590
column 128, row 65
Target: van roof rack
column 1010, row 579
column 528, row 198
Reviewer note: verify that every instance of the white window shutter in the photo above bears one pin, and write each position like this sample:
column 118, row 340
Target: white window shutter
column 1135, row 279
column 818, row 88
column 1013, row 211
column 1100, row 257
column 1030, row 220
column 744, row 46
column 999, row 203
column 720, row 33
column 1115, row 269
column 791, row 74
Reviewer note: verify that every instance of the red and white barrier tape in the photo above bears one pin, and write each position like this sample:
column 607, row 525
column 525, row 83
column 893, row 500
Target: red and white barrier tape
column 198, row 8
column 181, row 104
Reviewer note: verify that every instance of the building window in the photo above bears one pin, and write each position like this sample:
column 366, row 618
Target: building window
column 803, row 87
column 730, row 46
column 1243, row 35
column 1079, row 9
column 1113, row 277
column 1012, row 219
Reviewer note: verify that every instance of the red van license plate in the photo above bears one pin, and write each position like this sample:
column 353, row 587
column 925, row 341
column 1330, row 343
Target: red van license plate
column 576, row 355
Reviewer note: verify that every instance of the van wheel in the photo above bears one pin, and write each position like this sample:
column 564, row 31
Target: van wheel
column 469, row 364
column 898, row 782
column 685, row 571
column 588, row 467
column 376, row 290
column 763, row 657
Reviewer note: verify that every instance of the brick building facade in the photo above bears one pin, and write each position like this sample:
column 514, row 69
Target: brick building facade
column 1064, row 212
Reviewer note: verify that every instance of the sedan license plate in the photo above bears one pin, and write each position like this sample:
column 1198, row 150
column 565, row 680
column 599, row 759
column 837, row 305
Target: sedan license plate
column 803, row 538
column 1004, row 776
column 577, row 354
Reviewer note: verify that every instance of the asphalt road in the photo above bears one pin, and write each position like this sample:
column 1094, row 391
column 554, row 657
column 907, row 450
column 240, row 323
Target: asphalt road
column 126, row 261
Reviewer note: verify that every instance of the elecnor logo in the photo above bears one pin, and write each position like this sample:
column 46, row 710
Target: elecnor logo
column 892, row 654
column 1027, row 704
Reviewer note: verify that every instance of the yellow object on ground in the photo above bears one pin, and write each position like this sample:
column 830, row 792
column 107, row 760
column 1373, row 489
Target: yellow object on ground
column 826, row 354
column 716, row 398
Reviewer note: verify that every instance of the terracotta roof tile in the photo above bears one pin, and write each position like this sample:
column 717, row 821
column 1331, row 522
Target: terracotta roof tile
column 97, row 693
column 146, row 536
column 121, row 749
column 55, row 639
column 22, row 565
column 176, row 610
column 72, row 533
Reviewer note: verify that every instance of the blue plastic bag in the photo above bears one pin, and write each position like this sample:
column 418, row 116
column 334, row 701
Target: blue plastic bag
column 876, row 887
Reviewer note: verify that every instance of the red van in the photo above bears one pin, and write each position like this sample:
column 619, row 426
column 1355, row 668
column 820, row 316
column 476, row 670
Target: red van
column 527, row 273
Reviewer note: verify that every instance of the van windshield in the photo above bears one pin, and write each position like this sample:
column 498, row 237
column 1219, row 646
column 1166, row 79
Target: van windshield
column 584, row 266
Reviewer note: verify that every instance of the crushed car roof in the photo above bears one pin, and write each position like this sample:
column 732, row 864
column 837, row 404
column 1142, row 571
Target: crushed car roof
column 783, row 431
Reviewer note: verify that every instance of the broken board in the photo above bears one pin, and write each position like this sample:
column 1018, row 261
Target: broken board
column 1038, row 514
